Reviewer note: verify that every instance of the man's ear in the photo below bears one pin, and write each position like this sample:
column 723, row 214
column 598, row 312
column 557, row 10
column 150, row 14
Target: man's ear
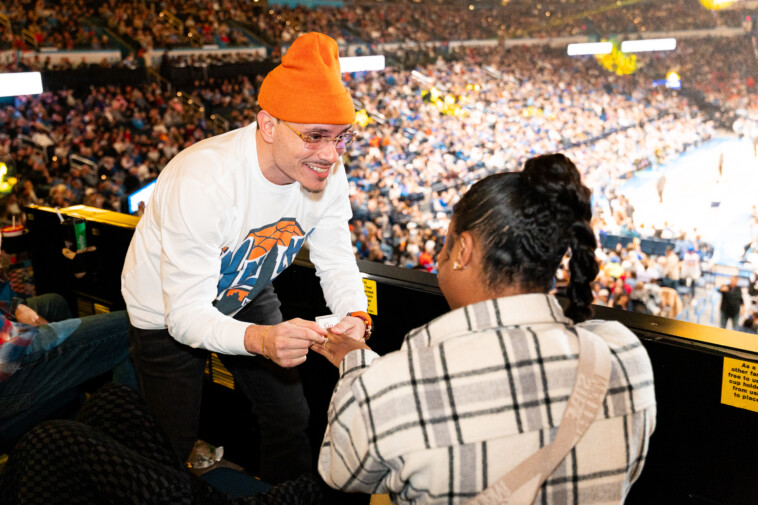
column 266, row 123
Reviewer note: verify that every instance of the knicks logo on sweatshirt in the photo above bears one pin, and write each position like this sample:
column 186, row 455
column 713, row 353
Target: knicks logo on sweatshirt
column 263, row 255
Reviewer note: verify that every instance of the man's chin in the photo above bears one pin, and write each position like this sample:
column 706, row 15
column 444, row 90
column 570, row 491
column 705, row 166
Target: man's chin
column 314, row 191
column 314, row 187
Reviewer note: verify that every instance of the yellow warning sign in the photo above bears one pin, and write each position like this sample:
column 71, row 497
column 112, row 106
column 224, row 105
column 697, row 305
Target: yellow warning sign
column 739, row 385
column 369, row 287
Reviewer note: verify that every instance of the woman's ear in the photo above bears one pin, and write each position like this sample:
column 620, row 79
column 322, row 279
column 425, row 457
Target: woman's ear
column 465, row 245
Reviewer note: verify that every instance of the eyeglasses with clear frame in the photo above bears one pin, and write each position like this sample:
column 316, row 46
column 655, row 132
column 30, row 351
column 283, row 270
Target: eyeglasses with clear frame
column 314, row 141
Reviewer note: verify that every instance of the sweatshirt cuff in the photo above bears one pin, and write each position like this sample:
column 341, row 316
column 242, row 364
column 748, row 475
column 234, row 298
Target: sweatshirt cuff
column 236, row 344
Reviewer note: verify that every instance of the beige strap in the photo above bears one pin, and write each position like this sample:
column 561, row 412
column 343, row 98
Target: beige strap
column 520, row 485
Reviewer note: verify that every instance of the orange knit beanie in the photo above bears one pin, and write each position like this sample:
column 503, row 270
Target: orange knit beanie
column 307, row 86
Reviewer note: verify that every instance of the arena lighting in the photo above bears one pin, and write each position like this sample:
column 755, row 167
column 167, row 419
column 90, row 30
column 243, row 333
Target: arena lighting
column 639, row 46
column 20, row 83
column 361, row 63
column 6, row 185
column 590, row 48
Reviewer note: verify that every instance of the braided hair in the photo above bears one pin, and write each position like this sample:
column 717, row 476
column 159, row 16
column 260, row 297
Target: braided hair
column 526, row 222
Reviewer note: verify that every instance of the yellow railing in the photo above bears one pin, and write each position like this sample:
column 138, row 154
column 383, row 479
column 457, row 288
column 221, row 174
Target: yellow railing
column 220, row 123
column 194, row 36
column 191, row 100
column 29, row 38
column 177, row 24
column 193, row 107
column 172, row 20
column 6, row 22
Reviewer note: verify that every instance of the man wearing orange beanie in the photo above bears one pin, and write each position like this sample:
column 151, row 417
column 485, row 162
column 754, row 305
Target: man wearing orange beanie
column 227, row 215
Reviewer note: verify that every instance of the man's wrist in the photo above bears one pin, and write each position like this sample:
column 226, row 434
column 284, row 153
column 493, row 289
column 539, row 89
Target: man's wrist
column 369, row 326
column 255, row 339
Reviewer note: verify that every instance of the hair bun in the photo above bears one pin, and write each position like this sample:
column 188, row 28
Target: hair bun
column 556, row 179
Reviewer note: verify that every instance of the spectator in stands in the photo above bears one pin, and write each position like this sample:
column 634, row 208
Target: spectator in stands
column 603, row 297
column 732, row 306
column 690, row 271
column 398, row 423
column 64, row 26
column 226, row 217
column 646, row 297
column 44, row 351
column 752, row 286
column 671, row 269
column 749, row 325
column 671, row 303
column 426, row 258
column 412, row 151
column 622, row 301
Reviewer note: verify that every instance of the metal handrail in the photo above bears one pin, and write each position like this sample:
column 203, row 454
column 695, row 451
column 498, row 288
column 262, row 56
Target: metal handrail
column 219, row 123
column 191, row 101
column 172, row 20
column 42, row 151
column 178, row 24
column 77, row 161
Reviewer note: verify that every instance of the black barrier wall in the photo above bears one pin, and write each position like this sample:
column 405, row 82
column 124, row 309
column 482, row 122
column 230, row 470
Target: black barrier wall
column 703, row 451
column 92, row 277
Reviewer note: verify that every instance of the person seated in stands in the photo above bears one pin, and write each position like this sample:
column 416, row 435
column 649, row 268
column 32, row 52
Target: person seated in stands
column 603, row 298
column 477, row 391
column 732, row 304
column 748, row 325
column 44, row 351
column 646, row 297
column 671, row 269
column 622, row 301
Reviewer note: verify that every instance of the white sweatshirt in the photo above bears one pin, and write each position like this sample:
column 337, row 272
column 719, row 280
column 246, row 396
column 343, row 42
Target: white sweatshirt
column 215, row 228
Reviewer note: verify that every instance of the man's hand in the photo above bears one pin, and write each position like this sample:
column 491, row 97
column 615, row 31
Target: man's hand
column 27, row 315
column 286, row 343
column 337, row 346
column 353, row 327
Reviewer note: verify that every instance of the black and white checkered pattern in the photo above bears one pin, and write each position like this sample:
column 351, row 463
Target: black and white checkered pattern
column 116, row 454
column 473, row 393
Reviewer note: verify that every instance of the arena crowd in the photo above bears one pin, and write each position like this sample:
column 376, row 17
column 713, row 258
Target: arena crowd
column 435, row 121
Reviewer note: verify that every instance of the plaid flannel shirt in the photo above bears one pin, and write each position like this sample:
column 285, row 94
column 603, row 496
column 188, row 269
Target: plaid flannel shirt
column 473, row 393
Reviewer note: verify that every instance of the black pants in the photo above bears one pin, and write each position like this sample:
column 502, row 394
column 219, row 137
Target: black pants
column 170, row 376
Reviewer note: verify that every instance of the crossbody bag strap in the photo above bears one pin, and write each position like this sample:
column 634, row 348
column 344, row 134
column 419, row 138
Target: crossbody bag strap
column 520, row 485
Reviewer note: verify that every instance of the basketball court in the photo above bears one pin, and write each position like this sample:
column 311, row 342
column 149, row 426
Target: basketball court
column 696, row 197
column 718, row 207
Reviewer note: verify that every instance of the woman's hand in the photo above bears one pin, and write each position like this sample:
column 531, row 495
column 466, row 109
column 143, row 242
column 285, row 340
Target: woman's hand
column 336, row 347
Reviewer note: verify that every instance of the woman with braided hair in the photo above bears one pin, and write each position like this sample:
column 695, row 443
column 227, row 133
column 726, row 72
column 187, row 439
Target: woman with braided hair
column 525, row 223
column 473, row 397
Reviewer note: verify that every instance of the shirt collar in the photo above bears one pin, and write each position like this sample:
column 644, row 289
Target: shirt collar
column 508, row 311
